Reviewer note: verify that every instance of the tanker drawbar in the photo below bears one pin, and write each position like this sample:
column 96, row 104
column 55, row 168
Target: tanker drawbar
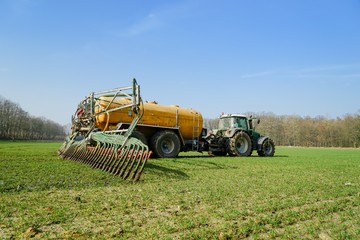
column 114, row 151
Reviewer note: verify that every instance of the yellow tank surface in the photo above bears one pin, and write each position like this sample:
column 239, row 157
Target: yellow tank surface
column 188, row 121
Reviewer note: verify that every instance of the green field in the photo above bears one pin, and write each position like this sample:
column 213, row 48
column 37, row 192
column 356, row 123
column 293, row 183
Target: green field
column 301, row 193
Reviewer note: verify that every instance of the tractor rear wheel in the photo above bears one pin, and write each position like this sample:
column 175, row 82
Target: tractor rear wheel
column 267, row 148
column 240, row 144
column 165, row 144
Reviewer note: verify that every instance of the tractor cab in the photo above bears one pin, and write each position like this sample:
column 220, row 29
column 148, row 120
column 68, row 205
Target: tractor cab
column 236, row 136
column 231, row 121
column 236, row 122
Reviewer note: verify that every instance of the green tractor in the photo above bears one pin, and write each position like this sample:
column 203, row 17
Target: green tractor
column 236, row 136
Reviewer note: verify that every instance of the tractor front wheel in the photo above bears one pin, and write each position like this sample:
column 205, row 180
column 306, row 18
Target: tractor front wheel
column 267, row 148
column 240, row 144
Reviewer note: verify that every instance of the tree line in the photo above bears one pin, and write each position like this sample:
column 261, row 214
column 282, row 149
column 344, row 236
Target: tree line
column 285, row 130
column 294, row 130
column 15, row 123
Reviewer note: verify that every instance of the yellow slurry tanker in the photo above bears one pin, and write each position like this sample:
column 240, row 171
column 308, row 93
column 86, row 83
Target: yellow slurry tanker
column 116, row 131
column 167, row 130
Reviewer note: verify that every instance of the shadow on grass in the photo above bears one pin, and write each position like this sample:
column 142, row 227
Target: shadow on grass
column 211, row 157
column 275, row 156
column 165, row 171
column 193, row 156
column 205, row 165
column 177, row 167
column 227, row 156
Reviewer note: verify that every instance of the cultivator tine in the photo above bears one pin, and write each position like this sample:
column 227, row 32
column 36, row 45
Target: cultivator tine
column 141, row 164
column 98, row 156
column 121, row 156
column 119, row 164
column 129, row 163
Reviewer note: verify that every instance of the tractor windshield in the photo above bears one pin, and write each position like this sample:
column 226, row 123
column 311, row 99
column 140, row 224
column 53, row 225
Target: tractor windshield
column 225, row 123
column 233, row 122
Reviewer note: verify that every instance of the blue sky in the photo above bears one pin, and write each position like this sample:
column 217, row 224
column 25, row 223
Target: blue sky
column 234, row 56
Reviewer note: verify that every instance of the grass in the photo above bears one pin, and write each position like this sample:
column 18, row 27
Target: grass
column 302, row 193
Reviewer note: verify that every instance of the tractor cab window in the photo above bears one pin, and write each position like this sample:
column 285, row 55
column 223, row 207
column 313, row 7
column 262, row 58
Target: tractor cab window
column 240, row 123
column 225, row 123
column 233, row 122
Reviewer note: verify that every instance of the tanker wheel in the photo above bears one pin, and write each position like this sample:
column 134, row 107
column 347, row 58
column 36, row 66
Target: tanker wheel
column 165, row 144
column 267, row 148
column 139, row 135
column 240, row 145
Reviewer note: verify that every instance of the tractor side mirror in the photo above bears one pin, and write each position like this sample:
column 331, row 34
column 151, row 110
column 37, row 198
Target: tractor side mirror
column 258, row 121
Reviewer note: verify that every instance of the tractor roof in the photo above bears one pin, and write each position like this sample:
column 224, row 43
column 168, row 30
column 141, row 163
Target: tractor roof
column 232, row 115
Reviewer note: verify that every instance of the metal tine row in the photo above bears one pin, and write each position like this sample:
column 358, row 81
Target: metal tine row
column 68, row 150
column 141, row 157
column 130, row 159
column 99, row 156
column 124, row 161
column 117, row 163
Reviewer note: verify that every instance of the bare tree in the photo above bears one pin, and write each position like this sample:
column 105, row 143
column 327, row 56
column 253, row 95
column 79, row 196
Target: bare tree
column 15, row 123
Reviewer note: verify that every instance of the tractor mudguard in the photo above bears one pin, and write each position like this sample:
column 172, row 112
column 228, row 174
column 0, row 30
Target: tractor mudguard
column 260, row 142
column 231, row 132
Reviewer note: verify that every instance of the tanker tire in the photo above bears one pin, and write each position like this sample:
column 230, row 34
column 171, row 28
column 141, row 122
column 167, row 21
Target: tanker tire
column 267, row 148
column 139, row 135
column 165, row 144
column 240, row 145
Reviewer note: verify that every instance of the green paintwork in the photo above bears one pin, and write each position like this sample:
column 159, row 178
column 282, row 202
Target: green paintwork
column 232, row 123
